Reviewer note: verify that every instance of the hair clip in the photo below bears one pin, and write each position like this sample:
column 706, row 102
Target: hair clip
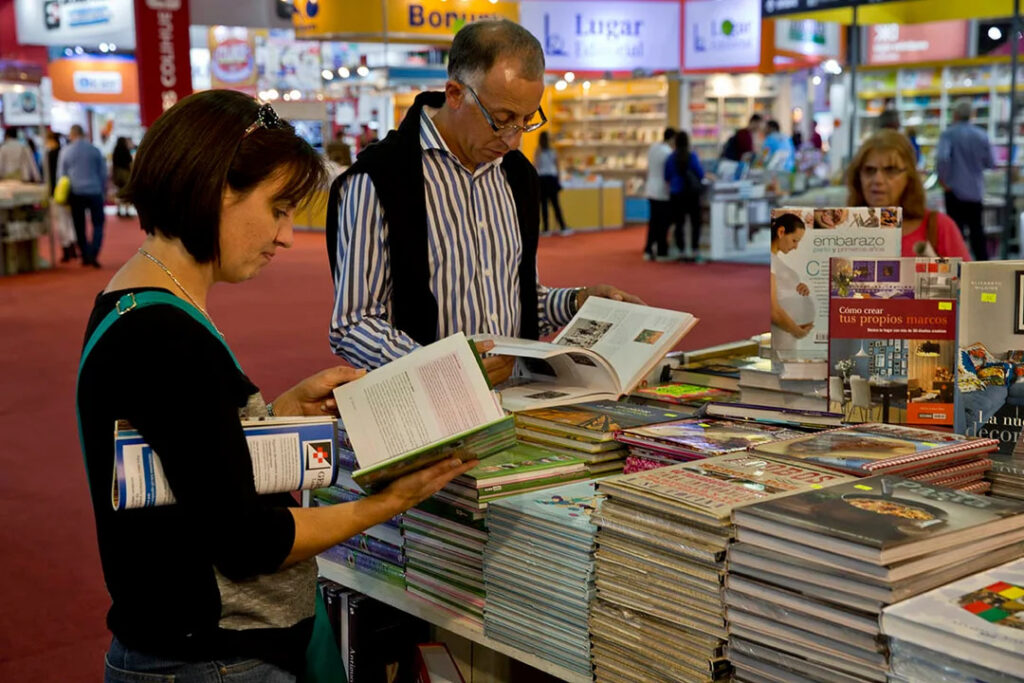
column 266, row 117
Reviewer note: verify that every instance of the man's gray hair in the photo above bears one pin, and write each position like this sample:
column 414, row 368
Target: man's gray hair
column 962, row 110
column 478, row 45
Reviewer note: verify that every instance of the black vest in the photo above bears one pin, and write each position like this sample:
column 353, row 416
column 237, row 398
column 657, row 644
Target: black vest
column 395, row 166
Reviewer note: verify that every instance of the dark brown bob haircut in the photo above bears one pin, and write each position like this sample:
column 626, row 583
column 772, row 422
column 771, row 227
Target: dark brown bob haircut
column 197, row 150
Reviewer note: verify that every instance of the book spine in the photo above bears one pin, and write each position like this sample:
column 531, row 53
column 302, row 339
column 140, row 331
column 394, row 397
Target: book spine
column 335, row 495
column 952, row 449
column 532, row 483
column 376, row 548
column 367, row 564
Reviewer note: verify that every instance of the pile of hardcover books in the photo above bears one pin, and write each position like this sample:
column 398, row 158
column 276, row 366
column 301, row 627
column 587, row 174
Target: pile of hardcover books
column 974, row 627
column 695, row 438
column 1007, row 474
column 811, row 572
column 539, row 572
column 938, row 458
column 378, row 551
column 682, row 395
column 784, row 384
column 444, row 548
column 587, row 430
column 662, row 540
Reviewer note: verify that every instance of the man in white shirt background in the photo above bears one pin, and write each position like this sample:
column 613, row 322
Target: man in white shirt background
column 657, row 192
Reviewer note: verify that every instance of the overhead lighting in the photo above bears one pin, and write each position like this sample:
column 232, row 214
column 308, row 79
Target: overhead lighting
column 994, row 33
column 343, row 72
column 104, row 48
column 287, row 97
column 561, row 85
column 79, row 50
column 832, row 66
column 586, row 85
column 861, row 353
column 816, row 80
column 68, row 52
column 272, row 94
column 112, row 46
column 296, row 95
column 569, row 77
column 363, row 71
column 327, row 74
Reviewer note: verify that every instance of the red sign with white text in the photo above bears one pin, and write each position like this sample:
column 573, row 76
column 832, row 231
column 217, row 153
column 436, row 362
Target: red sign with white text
column 162, row 44
column 933, row 41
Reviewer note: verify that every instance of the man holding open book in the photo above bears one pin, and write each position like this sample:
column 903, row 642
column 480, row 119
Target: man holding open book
column 434, row 230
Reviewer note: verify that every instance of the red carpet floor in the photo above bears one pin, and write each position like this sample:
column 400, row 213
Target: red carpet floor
column 52, row 622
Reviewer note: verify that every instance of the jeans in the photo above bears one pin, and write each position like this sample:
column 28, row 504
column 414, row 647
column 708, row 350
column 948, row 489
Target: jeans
column 130, row 666
column 94, row 203
column 968, row 215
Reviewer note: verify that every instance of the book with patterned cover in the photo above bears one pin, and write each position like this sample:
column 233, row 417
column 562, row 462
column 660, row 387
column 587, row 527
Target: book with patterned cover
column 715, row 486
column 685, row 394
column 571, row 505
column 869, row 448
column 595, row 421
column 708, row 436
column 979, row 618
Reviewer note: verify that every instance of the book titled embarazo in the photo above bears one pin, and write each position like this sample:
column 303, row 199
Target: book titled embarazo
column 288, row 454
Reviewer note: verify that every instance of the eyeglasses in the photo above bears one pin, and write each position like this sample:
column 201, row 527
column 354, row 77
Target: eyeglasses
column 267, row 118
column 887, row 171
column 507, row 130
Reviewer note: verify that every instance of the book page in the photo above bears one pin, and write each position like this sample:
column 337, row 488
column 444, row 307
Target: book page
column 434, row 393
column 546, row 362
column 632, row 338
column 530, row 395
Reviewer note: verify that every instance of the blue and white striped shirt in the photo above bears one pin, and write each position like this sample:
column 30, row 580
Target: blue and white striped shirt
column 475, row 249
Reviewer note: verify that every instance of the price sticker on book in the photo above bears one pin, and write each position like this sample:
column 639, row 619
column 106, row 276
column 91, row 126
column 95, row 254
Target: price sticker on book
column 988, row 297
column 863, row 487
column 945, row 305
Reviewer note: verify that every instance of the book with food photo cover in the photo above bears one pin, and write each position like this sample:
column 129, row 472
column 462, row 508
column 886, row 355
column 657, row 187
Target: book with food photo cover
column 869, row 448
column 684, row 394
column 803, row 242
column 606, row 351
column 883, row 518
column 715, row 486
column 595, row 421
column 704, row 436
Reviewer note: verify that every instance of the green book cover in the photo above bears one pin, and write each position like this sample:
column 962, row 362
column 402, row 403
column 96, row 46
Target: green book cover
column 518, row 463
column 485, row 440
column 686, row 394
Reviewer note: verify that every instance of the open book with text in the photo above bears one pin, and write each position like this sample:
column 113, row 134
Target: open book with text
column 420, row 409
column 605, row 351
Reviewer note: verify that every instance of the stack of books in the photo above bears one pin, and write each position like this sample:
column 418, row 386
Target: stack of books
column 539, row 573
column 667, row 530
column 974, row 627
column 1007, row 474
column 717, row 372
column 694, row 438
column 787, row 384
column 378, row 551
column 444, row 548
column 938, row 458
column 811, row 572
column 587, row 430
column 673, row 394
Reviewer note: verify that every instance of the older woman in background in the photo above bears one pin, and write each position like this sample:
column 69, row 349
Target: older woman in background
column 884, row 173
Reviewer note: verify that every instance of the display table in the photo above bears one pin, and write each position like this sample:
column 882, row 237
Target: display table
column 740, row 220
column 24, row 218
column 443, row 619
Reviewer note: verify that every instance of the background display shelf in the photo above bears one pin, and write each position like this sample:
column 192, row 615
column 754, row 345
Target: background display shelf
column 399, row 599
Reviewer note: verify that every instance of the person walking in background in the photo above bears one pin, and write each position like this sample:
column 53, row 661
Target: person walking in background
column 60, row 213
column 775, row 143
column 684, row 175
column 546, row 162
column 16, row 159
column 84, row 165
column 659, row 197
column 121, row 170
column 742, row 141
column 963, row 155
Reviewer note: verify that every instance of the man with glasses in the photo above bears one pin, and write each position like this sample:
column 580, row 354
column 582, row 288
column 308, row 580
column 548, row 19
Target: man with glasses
column 963, row 155
column 434, row 230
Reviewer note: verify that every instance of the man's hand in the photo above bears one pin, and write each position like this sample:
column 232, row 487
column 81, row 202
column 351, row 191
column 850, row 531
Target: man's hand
column 312, row 396
column 498, row 368
column 420, row 485
column 606, row 292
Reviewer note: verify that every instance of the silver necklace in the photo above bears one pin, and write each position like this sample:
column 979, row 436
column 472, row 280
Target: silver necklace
column 167, row 270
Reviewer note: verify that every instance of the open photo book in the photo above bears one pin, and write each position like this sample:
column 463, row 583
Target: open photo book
column 432, row 404
column 605, row 352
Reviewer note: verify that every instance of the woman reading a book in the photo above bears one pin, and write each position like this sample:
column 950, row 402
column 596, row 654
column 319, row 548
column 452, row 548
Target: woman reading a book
column 884, row 173
column 791, row 306
column 223, row 582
